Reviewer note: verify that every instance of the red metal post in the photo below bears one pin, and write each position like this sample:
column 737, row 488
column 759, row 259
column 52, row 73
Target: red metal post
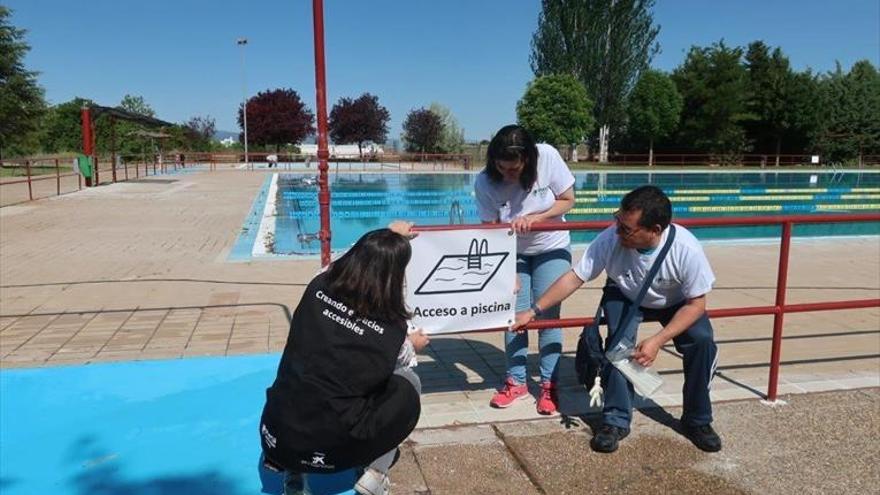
column 781, row 286
column 323, row 154
column 57, row 178
column 88, row 143
column 27, row 166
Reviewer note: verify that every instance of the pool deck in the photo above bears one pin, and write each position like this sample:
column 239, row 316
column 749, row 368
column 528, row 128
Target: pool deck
column 139, row 271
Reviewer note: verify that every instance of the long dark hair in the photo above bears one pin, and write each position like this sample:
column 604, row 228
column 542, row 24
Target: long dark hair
column 513, row 142
column 369, row 277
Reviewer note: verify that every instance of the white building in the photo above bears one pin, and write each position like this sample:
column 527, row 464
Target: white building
column 342, row 150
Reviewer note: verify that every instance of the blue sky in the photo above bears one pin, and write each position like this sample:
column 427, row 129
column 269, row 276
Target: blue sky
column 472, row 56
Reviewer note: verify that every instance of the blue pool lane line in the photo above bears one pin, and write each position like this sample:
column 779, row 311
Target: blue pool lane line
column 244, row 244
column 670, row 191
column 187, row 426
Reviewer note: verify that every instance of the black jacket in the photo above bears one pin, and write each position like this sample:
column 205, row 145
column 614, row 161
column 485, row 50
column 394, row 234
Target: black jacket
column 335, row 402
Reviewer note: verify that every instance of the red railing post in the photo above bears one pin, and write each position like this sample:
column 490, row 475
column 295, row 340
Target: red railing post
column 88, row 146
column 27, row 166
column 779, row 317
column 57, row 178
column 323, row 154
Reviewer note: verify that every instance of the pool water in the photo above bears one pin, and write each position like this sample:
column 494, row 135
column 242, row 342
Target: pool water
column 362, row 202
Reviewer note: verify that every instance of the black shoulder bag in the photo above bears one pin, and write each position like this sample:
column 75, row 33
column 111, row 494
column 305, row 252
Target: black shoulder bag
column 590, row 357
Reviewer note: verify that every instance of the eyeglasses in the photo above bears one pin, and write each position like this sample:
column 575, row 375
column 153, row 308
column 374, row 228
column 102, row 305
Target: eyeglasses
column 623, row 230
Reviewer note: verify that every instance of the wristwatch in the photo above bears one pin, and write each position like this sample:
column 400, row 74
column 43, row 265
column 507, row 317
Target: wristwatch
column 537, row 310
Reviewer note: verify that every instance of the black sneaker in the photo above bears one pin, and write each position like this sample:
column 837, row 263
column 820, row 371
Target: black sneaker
column 704, row 437
column 607, row 438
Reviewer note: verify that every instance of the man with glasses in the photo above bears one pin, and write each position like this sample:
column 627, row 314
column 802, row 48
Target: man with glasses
column 676, row 298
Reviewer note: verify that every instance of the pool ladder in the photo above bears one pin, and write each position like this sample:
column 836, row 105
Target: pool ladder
column 456, row 213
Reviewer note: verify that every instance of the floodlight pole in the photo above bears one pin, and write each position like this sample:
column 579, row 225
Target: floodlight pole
column 321, row 96
column 242, row 42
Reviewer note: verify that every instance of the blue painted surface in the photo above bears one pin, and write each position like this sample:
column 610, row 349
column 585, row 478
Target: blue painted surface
column 151, row 427
column 244, row 244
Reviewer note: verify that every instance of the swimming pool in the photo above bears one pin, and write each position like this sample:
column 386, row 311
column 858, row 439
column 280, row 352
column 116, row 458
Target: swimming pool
column 365, row 201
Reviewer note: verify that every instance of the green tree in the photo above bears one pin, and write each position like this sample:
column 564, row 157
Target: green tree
column 850, row 127
column 21, row 98
column 452, row 137
column 556, row 109
column 713, row 84
column 121, row 136
column 654, row 109
column 136, row 104
column 606, row 44
column 780, row 101
column 198, row 133
column 62, row 126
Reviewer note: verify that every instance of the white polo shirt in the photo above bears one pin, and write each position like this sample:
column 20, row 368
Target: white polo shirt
column 505, row 201
column 684, row 274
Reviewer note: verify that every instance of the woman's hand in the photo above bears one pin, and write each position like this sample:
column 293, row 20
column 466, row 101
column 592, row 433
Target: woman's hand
column 522, row 225
column 522, row 319
column 419, row 340
column 403, row 228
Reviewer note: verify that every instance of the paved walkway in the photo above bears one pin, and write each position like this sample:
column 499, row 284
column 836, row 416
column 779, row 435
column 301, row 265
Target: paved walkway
column 815, row 444
column 138, row 270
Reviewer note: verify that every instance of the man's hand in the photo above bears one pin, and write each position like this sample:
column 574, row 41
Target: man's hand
column 522, row 319
column 646, row 352
column 419, row 340
column 522, row 225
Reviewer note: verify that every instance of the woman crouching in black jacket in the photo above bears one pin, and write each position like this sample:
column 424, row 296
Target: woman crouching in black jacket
column 341, row 398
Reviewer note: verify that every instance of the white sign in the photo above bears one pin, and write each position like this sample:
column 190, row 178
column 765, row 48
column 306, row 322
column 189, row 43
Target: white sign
column 460, row 280
column 814, row 159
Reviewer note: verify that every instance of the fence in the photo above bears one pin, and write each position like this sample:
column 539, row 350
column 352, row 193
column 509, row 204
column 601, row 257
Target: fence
column 778, row 310
column 41, row 177
column 33, row 178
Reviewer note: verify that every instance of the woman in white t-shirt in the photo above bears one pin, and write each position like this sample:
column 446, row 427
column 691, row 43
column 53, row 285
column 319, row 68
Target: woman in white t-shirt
column 524, row 183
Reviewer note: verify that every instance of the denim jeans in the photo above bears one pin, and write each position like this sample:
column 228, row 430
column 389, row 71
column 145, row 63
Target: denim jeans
column 699, row 359
column 536, row 274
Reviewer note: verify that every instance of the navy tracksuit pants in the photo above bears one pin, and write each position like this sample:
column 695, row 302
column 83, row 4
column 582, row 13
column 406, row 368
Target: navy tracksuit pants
column 696, row 345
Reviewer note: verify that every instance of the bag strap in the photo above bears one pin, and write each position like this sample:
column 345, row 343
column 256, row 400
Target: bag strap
column 645, row 285
column 655, row 267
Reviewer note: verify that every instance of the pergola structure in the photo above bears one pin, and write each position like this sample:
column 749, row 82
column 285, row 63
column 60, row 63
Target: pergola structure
column 90, row 113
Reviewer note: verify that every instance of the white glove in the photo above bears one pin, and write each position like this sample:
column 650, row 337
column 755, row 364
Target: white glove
column 596, row 393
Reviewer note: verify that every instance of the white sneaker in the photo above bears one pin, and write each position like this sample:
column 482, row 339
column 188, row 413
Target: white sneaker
column 373, row 482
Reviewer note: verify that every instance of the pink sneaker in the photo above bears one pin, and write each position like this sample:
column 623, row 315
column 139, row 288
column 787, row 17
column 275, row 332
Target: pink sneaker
column 508, row 394
column 548, row 401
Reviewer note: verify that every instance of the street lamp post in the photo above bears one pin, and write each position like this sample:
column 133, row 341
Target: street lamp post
column 242, row 42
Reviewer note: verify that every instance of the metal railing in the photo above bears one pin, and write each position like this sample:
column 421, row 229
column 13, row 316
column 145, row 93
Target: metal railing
column 778, row 309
